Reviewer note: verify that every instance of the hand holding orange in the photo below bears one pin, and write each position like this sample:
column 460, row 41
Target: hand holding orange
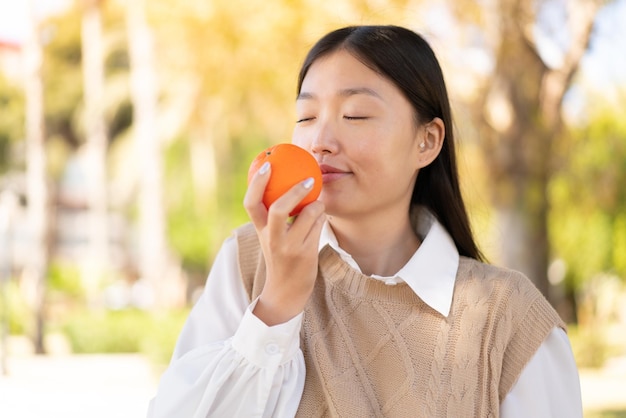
column 290, row 166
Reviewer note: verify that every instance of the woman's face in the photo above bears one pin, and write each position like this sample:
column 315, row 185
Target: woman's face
column 362, row 131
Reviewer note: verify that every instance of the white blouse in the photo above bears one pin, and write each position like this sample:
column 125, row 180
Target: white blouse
column 228, row 363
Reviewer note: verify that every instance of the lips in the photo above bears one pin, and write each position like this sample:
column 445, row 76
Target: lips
column 326, row 169
column 330, row 173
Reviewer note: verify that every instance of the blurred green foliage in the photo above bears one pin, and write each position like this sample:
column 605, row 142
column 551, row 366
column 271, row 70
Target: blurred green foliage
column 11, row 120
column 189, row 222
column 62, row 75
column 14, row 309
column 590, row 346
column 124, row 331
column 588, row 198
column 609, row 413
column 65, row 278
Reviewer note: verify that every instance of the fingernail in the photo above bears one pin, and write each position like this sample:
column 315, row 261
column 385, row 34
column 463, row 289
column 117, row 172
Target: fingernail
column 264, row 168
column 308, row 183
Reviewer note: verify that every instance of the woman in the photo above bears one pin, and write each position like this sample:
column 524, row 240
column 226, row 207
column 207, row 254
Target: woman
column 374, row 301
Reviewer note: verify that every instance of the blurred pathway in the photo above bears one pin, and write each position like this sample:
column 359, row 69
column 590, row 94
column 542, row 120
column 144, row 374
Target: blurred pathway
column 73, row 386
column 605, row 388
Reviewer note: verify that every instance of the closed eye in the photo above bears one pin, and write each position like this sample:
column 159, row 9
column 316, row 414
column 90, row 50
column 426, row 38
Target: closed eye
column 356, row 117
column 304, row 119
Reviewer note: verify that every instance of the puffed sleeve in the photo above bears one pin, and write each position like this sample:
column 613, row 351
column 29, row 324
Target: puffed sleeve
column 549, row 386
column 227, row 362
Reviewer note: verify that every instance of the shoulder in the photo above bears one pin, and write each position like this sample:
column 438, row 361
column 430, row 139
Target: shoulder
column 506, row 282
column 509, row 294
column 518, row 315
column 482, row 270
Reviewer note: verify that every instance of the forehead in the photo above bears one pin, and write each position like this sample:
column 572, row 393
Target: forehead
column 341, row 70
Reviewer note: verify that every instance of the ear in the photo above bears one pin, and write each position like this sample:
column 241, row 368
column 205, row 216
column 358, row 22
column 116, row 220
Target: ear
column 430, row 141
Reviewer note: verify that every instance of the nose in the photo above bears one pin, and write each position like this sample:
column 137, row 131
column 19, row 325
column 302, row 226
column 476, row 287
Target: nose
column 325, row 139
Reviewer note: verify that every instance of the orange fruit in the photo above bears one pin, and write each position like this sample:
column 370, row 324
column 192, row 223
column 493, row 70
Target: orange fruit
column 291, row 165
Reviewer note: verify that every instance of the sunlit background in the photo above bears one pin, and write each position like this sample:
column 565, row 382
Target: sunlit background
column 127, row 128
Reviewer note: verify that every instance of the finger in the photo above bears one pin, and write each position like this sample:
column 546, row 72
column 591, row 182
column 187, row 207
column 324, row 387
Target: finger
column 281, row 208
column 253, row 200
column 308, row 224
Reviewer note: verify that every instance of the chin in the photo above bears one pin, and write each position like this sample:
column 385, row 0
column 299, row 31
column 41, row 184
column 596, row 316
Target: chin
column 338, row 211
column 337, row 205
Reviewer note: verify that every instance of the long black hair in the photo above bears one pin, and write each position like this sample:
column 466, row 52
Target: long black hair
column 405, row 58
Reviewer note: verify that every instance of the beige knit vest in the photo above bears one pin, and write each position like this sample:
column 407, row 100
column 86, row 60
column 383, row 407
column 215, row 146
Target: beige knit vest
column 373, row 350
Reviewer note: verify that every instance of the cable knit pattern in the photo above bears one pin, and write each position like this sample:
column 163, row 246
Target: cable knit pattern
column 373, row 350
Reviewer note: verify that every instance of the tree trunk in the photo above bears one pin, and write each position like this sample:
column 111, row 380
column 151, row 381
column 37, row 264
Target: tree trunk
column 155, row 263
column 36, row 179
column 96, row 144
column 520, row 114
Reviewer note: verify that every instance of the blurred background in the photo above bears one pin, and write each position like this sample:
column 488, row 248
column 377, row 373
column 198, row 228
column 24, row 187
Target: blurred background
column 127, row 128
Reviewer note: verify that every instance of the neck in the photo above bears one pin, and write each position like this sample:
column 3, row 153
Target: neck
column 380, row 248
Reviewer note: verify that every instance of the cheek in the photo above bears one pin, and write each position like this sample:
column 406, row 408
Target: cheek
column 297, row 138
column 372, row 161
column 387, row 156
column 377, row 147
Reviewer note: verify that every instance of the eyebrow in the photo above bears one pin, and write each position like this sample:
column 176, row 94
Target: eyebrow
column 344, row 93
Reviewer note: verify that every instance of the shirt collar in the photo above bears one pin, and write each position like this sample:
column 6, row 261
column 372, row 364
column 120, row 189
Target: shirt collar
column 430, row 272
